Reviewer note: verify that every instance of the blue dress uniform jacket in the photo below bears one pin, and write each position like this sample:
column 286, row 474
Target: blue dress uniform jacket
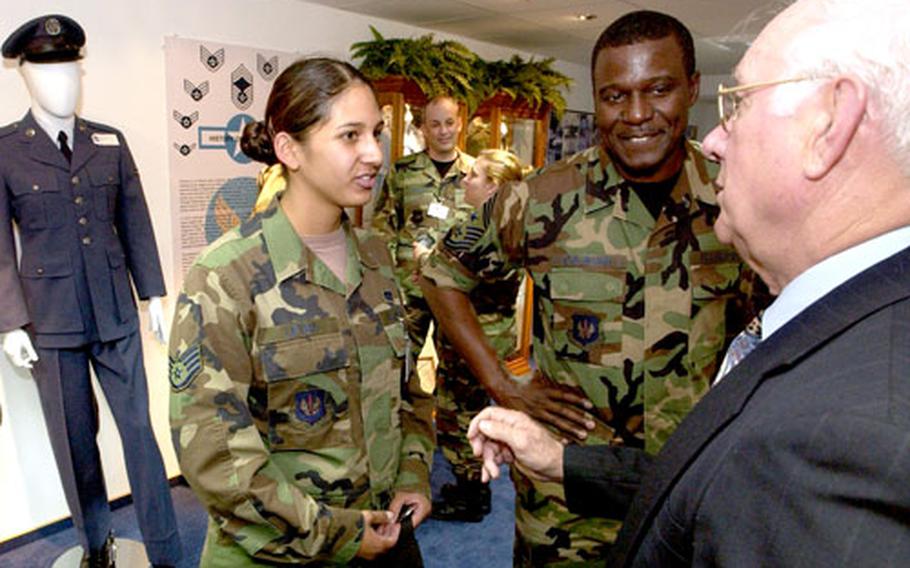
column 83, row 227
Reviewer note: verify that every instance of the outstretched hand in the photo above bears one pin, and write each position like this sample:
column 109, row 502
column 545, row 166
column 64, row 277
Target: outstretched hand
column 500, row 435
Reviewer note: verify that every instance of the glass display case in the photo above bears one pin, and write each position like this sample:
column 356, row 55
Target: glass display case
column 510, row 124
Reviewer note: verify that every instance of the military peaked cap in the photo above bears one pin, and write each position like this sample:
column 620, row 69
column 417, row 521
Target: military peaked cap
column 46, row 39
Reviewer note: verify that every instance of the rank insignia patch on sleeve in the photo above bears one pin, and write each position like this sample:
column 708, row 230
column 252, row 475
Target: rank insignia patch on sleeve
column 185, row 367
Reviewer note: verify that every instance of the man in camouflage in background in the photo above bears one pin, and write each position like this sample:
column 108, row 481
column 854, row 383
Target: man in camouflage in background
column 419, row 201
column 635, row 299
column 293, row 406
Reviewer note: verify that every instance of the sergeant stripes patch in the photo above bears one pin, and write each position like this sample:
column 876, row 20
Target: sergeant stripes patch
column 184, row 368
column 463, row 239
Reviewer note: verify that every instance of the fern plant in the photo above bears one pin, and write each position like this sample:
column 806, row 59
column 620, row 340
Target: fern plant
column 535, row 81
column 438, row 68
column 450, row 68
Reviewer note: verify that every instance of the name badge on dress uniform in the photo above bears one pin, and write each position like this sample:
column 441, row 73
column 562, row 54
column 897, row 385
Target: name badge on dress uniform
column 103, row 139
column 438, row 210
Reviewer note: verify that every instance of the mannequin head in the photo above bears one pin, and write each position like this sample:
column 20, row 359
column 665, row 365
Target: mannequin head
column 54, row 87
column 49, row 49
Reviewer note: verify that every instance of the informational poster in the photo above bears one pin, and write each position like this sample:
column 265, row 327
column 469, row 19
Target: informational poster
column 213, row 91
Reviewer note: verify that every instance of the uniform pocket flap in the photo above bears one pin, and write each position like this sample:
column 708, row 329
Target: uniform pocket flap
column 32, row 183
column 46, row 268
column 301, row 357
column 104, row 174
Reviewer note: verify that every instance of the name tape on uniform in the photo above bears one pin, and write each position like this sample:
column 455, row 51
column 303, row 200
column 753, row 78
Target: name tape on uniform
column 104, row 139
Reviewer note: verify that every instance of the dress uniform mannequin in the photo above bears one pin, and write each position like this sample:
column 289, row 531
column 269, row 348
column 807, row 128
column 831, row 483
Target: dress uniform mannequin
column 72, row 189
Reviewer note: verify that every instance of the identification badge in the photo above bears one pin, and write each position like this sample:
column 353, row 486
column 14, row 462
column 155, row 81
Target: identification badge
column 438, row 210
column 104, row 139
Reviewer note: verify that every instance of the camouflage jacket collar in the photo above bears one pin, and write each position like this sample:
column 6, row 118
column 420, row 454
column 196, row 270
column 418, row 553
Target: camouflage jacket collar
column 606, row 188
column 422, row 162
column 290, row 257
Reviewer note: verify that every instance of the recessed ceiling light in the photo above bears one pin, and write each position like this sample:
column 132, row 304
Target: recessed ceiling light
column 585, row 17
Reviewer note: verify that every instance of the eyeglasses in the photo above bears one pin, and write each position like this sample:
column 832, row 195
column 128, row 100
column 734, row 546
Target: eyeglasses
column 730, row 98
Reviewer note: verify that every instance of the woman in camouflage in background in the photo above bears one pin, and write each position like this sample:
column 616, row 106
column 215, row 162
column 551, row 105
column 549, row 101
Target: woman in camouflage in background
column 296, row 417
column 459, row 394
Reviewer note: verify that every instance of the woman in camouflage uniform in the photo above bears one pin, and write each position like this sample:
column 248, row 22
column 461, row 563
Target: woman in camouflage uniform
column 296, row 417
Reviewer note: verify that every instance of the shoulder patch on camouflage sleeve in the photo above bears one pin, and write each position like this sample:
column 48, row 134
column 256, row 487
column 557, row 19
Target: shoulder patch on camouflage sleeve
column 185, row 367
column 461, row 238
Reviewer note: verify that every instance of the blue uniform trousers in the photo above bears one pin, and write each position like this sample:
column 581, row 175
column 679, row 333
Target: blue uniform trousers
column 71, row 416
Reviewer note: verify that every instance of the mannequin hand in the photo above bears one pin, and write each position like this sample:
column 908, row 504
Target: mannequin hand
column 157, row 325
column 19, row 350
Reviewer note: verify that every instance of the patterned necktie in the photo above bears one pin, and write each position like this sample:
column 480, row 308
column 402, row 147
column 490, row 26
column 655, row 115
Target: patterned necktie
column 64, row 147
column 743, row 344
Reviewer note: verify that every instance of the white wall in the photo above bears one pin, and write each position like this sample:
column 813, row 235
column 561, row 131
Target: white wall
column 704, row 113
column 123, row 85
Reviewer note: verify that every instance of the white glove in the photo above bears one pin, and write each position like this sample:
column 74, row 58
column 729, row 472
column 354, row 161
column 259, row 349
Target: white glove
column 157, row 325
column 18, row 349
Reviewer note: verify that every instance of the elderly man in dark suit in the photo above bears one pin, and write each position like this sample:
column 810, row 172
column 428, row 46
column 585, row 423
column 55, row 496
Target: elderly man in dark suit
column 73, row 191
column 800, row 456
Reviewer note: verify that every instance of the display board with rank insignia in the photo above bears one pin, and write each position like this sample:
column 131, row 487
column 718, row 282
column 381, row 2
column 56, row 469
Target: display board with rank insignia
column 213, row 91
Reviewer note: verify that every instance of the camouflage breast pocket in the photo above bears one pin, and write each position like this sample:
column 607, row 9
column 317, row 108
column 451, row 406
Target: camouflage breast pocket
column 714, row 285
column 586, row 313
column 305, row 376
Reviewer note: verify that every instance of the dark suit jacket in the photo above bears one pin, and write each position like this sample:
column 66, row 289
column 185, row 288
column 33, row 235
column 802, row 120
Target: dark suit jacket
column 801, row 456
column 82, row 228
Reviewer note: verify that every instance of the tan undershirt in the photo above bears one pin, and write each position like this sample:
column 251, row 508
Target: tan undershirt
column 331, row 249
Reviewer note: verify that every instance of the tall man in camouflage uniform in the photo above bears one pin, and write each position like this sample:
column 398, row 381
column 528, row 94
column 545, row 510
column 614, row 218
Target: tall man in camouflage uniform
column 420, row 200
column 635, row 298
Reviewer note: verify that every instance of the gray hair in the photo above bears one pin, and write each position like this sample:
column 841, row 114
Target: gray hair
column 869, row 39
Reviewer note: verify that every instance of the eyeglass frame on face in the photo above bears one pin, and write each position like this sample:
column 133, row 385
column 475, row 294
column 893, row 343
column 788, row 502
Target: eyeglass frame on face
column 736, row 100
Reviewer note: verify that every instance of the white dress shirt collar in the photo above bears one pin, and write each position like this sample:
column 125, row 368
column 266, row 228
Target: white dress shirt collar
column 817, row 281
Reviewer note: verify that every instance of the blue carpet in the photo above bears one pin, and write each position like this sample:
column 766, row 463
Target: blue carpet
column 443, row 544
column 488, row 544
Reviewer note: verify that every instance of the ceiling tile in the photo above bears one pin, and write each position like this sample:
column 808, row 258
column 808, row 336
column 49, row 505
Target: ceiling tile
column 722, row 29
